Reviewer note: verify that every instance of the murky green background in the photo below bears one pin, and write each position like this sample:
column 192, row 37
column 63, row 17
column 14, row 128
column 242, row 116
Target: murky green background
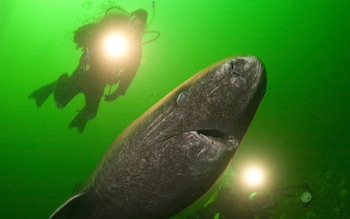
column 300, row 133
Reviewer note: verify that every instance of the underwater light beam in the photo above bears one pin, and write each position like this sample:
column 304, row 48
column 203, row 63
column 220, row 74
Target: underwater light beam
column 254, row 176
column 115, row 45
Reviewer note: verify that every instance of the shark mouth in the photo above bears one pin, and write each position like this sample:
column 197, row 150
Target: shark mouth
column 216, row 137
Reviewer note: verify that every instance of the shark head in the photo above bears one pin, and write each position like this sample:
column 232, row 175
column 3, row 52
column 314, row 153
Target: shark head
column 217, row 103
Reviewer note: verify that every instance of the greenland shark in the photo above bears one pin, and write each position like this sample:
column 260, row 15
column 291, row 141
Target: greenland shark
column 171, row 155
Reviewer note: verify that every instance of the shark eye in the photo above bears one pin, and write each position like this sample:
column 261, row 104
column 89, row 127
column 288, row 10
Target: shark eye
column 182, row 98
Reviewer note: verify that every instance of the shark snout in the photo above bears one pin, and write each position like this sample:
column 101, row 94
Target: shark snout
column 249, row 68
column 249, row 64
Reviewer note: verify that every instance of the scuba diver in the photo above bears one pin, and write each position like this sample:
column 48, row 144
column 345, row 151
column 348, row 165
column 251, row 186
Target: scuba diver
column 227, row 204
column 111, row 55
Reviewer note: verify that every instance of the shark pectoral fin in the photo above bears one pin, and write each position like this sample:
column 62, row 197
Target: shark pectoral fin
column 75, row 207
column 41, row 94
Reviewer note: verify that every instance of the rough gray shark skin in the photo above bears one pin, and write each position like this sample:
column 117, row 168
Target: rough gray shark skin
column 170, row 156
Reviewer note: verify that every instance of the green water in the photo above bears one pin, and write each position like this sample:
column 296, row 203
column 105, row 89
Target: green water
column 300, row 132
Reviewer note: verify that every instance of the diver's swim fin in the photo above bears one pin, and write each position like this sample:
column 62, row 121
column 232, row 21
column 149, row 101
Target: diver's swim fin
column 41, row 94
column 79, row 121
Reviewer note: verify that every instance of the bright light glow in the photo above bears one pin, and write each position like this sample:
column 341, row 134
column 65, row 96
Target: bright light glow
column 254, row 176
column 115, row 45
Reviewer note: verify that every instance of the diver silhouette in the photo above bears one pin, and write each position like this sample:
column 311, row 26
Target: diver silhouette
column 106, row 59
column 229, row 204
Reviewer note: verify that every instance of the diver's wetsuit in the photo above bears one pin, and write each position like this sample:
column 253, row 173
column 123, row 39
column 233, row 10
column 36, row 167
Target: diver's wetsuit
column 94, row 71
